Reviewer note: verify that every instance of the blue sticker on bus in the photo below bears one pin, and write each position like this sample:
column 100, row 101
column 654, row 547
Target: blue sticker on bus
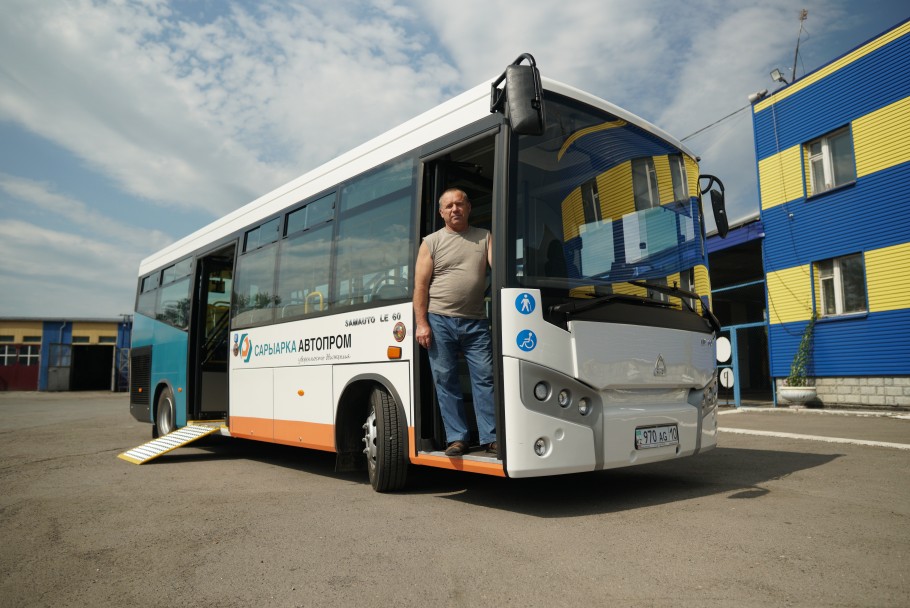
column 526, row 340
column 525, row 303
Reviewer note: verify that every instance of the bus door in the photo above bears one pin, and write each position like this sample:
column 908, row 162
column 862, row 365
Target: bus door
column 210, row 339
column 467, row 165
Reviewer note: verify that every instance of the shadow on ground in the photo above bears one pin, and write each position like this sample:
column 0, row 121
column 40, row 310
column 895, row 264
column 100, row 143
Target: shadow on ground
column 738, row 472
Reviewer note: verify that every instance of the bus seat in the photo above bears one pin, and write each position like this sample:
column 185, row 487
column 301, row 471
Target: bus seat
column 391, row 292
column 293, row 310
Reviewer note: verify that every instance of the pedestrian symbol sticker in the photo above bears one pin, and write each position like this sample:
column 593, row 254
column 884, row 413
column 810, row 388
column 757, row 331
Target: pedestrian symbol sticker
column 525, row 303
column 526, row 340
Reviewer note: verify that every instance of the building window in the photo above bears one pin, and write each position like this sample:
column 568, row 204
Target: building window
column 830, row 161
column 81, row 339
column 644, row 184
column 107, row 340
column 842, row 285
column 28, row 355
column 6, row 338
column 678, row 178
column 7, row 355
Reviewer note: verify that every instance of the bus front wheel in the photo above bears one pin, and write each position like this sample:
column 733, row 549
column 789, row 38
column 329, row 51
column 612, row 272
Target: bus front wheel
column 164, row 414
column 384, row 443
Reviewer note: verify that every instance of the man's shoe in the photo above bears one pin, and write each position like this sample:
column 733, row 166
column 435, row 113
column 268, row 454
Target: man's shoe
column 493, row 448
column 456, row 448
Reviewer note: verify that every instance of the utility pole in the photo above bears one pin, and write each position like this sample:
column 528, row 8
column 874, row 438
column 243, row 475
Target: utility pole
column 803, row 14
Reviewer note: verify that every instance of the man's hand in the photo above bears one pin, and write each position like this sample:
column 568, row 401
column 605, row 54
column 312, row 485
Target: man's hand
column 424, row 335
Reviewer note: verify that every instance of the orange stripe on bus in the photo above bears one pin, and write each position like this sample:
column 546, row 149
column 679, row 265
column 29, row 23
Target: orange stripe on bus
column 288, row 432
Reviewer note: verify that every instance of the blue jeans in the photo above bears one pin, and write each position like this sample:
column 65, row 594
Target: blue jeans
column 472, row 338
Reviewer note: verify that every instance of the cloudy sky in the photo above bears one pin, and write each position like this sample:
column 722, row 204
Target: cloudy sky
column 125, row 125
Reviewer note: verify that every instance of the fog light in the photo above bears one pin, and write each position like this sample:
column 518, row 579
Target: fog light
column 584, row 406
column 540, row 446
column 542, row 391
column 564, row 398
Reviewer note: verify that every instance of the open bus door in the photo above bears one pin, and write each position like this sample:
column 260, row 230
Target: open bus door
column 210, row 340
column 469, row 166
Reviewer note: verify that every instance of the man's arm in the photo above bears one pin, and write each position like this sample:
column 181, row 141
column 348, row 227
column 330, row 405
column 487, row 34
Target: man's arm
column 422, row 273
column 490, row 250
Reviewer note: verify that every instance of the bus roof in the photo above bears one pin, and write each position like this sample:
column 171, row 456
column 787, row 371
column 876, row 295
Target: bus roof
column 449, row 116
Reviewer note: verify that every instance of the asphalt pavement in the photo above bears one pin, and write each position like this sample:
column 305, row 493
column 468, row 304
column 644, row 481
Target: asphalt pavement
column 859, row 427
column 776, row 515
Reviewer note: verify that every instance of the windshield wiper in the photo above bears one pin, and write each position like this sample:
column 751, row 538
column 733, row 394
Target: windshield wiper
column 684, row 295
column 576, row 306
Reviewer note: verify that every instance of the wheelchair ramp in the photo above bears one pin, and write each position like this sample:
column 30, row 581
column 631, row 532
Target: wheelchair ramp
column 179, row 438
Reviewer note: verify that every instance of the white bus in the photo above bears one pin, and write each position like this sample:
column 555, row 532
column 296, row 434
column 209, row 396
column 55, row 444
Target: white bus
column 290, row 320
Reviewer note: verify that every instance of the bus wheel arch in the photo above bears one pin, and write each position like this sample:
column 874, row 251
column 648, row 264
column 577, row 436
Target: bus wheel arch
column 164, row 418
column 371, row 434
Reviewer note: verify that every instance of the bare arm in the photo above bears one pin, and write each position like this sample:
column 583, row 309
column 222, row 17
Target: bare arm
column 422, row 274
column 490, row 251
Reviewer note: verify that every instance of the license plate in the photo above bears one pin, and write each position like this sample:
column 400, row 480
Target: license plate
column 656, row 436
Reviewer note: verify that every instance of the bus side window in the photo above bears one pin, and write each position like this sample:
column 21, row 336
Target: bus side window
column 374, row 235
column 303, row 275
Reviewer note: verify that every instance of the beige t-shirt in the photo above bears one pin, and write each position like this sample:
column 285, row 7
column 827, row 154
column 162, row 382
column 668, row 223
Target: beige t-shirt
column 459, row 272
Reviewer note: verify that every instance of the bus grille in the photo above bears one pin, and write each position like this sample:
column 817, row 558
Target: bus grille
column 140, row 375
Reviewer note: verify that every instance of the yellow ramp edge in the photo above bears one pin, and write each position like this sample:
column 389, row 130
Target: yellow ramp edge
column 179, row 438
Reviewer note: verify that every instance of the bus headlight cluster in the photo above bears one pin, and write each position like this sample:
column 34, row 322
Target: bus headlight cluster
column 584, row 406
column 543, row 391
column 709, row 401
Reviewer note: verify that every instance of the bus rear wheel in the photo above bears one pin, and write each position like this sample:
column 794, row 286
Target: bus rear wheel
column 384, row 443
column 165, row 414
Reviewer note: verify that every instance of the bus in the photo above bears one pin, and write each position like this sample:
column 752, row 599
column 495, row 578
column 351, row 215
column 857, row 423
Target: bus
column 290, row 320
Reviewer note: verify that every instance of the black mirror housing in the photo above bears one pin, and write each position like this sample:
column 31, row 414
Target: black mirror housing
column 521, row 98
column 720, row 213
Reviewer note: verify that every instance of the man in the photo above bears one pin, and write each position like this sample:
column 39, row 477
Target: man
column 450, row 280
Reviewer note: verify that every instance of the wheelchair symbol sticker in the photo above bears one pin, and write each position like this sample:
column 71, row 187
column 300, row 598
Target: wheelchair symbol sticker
column 525, row 303
column 526, row 340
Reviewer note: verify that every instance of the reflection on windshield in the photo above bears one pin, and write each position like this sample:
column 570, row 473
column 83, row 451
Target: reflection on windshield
column 602, row 202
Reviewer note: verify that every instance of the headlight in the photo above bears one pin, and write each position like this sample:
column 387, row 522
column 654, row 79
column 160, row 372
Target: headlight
column 541, row 391
column 709, row 400
column 584, row 406
column 564, row 398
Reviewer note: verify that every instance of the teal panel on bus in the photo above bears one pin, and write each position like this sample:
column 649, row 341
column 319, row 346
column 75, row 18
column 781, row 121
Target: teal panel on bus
column 169, row 349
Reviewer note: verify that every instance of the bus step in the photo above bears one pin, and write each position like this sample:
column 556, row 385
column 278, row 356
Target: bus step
column 179, row 438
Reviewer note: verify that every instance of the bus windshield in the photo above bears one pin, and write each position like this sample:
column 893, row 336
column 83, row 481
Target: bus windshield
column 601, row 202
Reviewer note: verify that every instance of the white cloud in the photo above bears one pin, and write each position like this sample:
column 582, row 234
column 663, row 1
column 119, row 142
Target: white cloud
column 211, row 115
column 78, row 214
column 53, row 273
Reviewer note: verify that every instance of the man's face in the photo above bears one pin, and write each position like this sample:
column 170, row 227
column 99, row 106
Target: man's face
column 455, row 209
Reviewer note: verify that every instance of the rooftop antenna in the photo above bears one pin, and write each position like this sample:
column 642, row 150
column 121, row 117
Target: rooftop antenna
column 803, row 14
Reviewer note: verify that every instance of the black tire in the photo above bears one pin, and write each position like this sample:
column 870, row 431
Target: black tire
column 385, row 443
column 165, row 414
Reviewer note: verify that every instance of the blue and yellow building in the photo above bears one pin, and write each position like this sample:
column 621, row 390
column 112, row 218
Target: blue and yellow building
column 833, row 154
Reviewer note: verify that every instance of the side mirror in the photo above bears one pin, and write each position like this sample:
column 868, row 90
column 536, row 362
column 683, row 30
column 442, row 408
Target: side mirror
column 717, row 204
column 720, row 213
column 521, row 98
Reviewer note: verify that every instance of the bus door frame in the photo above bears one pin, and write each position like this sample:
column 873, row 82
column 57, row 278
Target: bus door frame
column 205, row 262
column 432, row 182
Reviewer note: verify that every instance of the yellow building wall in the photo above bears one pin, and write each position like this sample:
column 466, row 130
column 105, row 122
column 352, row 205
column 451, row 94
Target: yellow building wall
column 573, row 214
column 615, row 189
column 781, row 177
column 664, row 179
column 94, row 331
column 881, row 139
column 19, row 330
column 790, row 295
column 886, row 278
